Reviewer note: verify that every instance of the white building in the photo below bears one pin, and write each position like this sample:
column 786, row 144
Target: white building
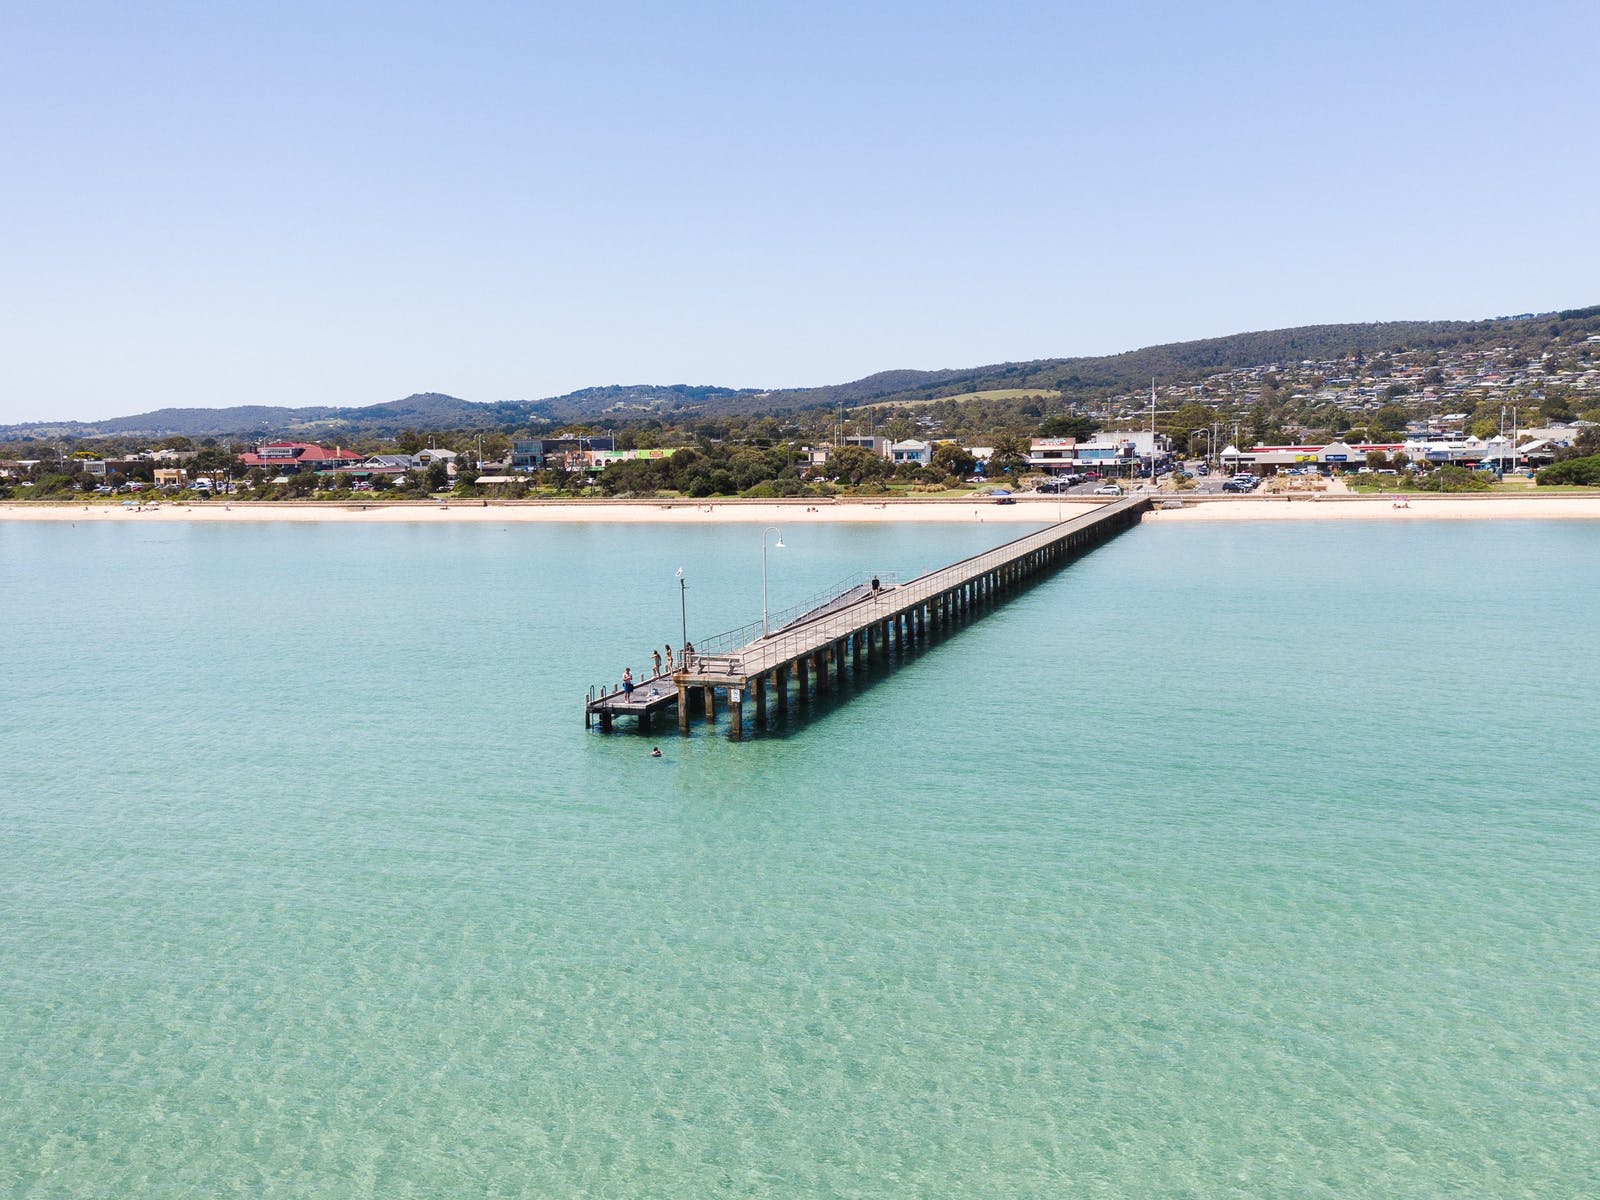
column 911, row 451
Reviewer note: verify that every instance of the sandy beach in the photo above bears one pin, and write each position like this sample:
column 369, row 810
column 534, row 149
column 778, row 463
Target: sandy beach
column 1027, row 511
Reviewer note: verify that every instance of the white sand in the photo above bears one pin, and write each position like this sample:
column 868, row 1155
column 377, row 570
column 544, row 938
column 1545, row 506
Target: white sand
column 1027, row 511
column 645, row 512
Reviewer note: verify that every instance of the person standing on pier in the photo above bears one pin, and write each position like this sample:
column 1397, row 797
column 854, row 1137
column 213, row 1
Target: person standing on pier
column 669, row 659
column 627, row 683
column 655, row 656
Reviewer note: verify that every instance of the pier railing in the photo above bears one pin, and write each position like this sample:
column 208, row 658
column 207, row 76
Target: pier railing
column 759, row 654
column 721, row 644
column 852, row 618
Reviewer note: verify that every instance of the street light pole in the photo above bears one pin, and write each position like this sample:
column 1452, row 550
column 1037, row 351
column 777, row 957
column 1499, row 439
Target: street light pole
column 683, row 617
column 769, row 529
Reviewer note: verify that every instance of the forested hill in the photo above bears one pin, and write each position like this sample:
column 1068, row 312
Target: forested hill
column 1081, row 378
column 424, row 411
column 1178, row 361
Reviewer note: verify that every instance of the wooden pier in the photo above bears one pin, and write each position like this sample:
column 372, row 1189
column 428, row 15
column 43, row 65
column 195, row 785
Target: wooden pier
column 857, row 626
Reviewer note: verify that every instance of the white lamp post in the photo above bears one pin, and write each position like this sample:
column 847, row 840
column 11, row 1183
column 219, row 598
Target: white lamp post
column 765, row 632
column 683, row 616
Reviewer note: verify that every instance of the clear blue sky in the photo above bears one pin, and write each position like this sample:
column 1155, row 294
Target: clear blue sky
column 209, row 204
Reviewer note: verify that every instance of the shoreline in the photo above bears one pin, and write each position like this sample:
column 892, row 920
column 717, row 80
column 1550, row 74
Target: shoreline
column 1027, row 510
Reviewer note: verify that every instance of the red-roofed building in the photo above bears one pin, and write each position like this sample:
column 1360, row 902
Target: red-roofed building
column 286, row 458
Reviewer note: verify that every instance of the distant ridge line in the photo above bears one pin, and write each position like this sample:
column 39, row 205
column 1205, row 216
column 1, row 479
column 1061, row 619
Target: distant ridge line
column 1075, row 378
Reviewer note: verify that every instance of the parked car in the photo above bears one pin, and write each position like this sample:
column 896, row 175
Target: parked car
column 1108, row 489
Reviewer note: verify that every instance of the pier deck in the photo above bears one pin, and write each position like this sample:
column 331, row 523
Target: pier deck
column 860, row 624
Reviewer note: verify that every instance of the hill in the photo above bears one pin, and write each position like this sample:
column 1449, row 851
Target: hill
column 1073, row 380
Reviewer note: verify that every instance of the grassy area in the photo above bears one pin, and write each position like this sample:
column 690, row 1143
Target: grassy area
column 1516, row 486
column 913, row 492
column 995, row 394
column 1006, row 394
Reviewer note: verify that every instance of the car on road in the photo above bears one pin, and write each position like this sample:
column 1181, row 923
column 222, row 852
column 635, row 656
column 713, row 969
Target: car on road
column 1108, row 489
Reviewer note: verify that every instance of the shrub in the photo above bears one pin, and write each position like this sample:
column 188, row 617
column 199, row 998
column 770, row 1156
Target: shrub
column 1455, row 479
column 1585, row 472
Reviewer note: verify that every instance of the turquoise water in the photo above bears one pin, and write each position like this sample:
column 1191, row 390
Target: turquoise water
column 1230, row 861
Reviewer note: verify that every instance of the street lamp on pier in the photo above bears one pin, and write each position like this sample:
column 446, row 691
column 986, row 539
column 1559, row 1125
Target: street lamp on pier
column 683, row 617
column 778, row 546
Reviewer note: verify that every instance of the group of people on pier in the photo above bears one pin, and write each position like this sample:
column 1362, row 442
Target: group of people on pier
column 656, row 663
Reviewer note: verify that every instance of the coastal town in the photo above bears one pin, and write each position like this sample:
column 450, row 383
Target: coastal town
column 1491, row 410
column 581, row 462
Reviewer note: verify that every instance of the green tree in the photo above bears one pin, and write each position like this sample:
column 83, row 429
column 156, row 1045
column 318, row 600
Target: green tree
column 1389, row 419
column 953, row 460
column 1010, row 455
column 1068, row 425
column 1265, row 429
column 1191, row 416
column 1556, row 406
column 855, row 466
